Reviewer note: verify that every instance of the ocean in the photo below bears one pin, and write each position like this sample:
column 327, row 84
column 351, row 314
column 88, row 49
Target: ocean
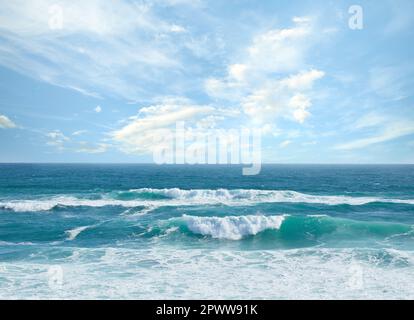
column 72, row 231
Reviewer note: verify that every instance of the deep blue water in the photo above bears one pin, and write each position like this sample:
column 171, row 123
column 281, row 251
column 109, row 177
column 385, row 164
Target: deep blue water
column 148, row 231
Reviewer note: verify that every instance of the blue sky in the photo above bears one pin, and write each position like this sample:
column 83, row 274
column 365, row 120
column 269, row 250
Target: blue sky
column 96, row 81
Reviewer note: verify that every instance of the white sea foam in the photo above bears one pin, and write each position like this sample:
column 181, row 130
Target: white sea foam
column 24, row 243
column 180, row 197
column 254, row 196
column 232, row 227
column 141, row 212
column 49, row 204
column 72, row 234
column 166, row 273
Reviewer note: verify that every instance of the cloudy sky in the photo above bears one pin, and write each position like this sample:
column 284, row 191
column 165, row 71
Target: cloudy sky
column 100, row 81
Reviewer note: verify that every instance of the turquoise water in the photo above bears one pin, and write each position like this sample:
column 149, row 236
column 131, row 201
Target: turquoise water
column 185, row 232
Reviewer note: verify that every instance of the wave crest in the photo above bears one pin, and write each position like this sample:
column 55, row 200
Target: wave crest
column 232, row 227
column 73, row 233
column 288, row 229
column 257, row 196
column 179, row 197
column 49, row 204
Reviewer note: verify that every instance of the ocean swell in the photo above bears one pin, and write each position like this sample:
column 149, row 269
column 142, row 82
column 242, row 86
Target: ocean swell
column 255, row 195
column 289, row 229
column 231, row 227
column 179, row 197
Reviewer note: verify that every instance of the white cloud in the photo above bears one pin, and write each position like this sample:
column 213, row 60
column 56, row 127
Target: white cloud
column 57, row 135
column 300, row 103
column 57, row 139
column 149, row 128
column 272, row 81
column 179, row 2
column 282, row 98
column 98, row 109
column 300, row 20
column 99, row 148
column 79, row 132
column 62, row 142
column 100, row 18
column 223, row 89
column 388, row 82
column 110, row 47
column 390, row 131
column 273, row 51
column 177, row 28
column 303, row 80
column 285, row 143
column 280, row 50
column 88, row 16
column 238, row 71
column 6, row 123
column 369, row 120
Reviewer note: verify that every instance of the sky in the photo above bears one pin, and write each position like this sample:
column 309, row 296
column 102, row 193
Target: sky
column 100, row 81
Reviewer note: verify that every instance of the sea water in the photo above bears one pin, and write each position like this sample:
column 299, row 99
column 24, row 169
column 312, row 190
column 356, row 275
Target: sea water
column 189, row 232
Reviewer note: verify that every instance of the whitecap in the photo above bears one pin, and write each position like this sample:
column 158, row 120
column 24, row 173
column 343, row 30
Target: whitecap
column 73, row 233
column 232, row 227
column 244, row 196
column 180, row 197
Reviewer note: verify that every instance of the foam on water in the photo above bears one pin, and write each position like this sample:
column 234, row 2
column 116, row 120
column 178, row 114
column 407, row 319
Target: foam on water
column 49, row 204
column 180, row 197
column 73, row 233
column 254, row 195
column 285, row 230
column 348, row 233
column 7, row 243
column 232, row 227
column 159, row 273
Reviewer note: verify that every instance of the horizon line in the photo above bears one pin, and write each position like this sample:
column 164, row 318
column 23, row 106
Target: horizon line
column 204, row 164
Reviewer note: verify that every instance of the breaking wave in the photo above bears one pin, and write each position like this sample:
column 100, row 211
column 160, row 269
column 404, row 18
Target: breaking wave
column 49, row 204
column 254, row 195
column 179, row 197
column 287, row 228
column 73, row 233
column 232, row 227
